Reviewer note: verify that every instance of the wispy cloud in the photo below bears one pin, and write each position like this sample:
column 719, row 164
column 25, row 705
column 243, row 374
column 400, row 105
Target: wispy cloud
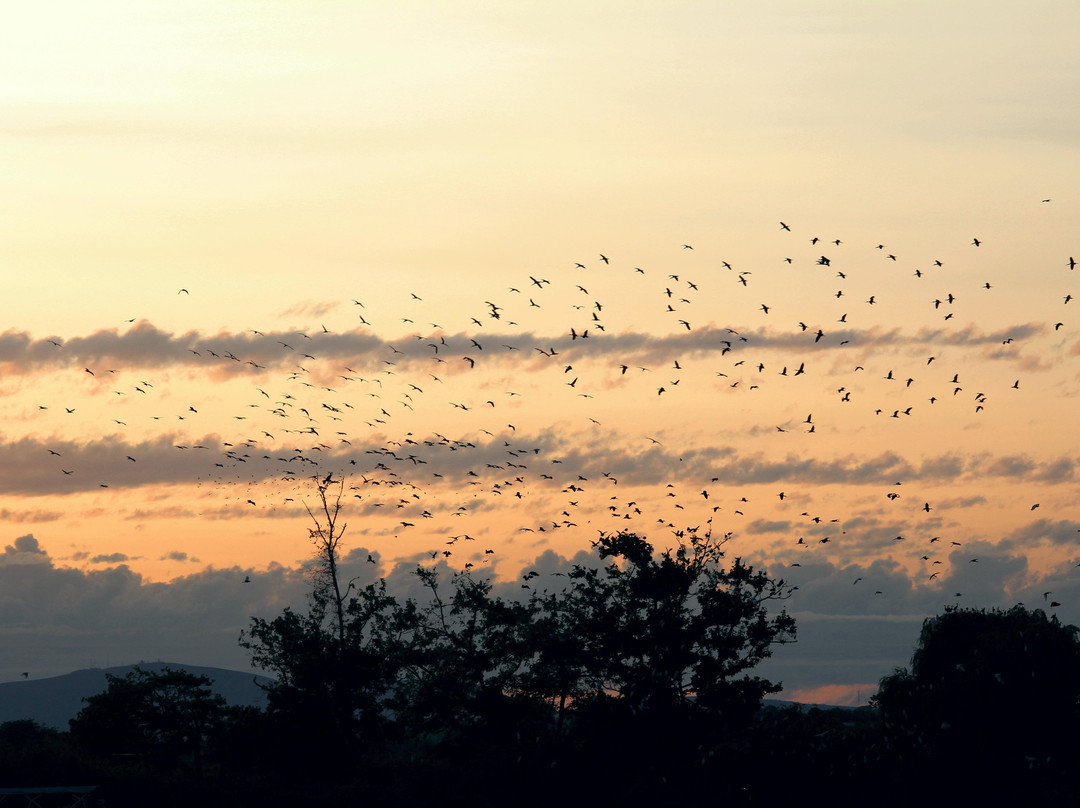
column 144, row 345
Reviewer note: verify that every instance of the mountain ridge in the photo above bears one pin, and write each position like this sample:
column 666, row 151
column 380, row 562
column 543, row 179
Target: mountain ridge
column 54, row 701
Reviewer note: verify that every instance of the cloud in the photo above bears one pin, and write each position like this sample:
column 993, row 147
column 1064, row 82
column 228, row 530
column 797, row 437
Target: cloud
column 25, row 549
column 109, row 558
column 28, row 468
column 310, row 309
column 853, row 633
column 178, row 555
column 1010, row 466
column 8, row 515
column 763, row 526
column 144, row 345
column 57, row 619
column 1059, row 532
column 1056, row 471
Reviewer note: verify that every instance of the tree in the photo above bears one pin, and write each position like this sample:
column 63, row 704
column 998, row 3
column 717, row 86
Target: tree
column 663, row 632
column 34, row 754
column 332, row 679
column 998, row 687
column 650, row 635
column 463, row 654
column 335, row 664
column 160, row 719
column 327, row 535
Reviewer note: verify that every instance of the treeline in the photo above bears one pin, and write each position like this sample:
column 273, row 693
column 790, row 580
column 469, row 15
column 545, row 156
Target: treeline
column 628, row 679
column 631, row 683
column 986, row 714
column 643, row 657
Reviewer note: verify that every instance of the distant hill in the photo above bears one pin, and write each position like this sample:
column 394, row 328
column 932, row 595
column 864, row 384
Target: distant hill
column 781, row 704
column 53, row 702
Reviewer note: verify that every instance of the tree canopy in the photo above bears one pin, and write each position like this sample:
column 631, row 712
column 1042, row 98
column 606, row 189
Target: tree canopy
column 998, row 686
column 677, row 631
column 158, row 719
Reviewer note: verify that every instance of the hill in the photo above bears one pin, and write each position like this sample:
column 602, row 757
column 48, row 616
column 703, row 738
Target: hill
column 53, row 702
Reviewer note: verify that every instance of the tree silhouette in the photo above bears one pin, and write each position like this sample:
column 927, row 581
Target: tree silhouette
column 642, row 637
column 466, row 650
column 674, row 628
column 332, row 679
column 34, row 754
column 326, row 536
column 157, row 719
column 993, row 688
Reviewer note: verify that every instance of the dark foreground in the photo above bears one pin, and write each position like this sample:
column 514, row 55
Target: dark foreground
column 784, row 754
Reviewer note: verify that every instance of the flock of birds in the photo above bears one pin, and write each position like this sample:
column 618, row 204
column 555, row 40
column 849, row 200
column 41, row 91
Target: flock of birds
column 546, row 410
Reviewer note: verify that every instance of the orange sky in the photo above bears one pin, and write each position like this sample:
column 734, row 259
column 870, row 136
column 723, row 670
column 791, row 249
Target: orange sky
column 221, row 216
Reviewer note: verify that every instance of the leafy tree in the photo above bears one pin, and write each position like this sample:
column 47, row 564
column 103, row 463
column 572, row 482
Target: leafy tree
column 329, row 684
column 998, row 687
column 670, row 630
column 652, row 633
column 466, row 650
column 560, row 661
column 335, row 663
column 159, row 719
column 34, row 754
column 832, row 750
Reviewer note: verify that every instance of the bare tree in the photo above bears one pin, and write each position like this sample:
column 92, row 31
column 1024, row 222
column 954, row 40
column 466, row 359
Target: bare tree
column 326, row 536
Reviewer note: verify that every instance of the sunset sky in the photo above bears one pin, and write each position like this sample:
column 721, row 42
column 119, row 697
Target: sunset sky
column 526, row 272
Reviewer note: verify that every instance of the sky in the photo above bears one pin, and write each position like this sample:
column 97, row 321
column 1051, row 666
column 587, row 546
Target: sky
column 796, row 273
